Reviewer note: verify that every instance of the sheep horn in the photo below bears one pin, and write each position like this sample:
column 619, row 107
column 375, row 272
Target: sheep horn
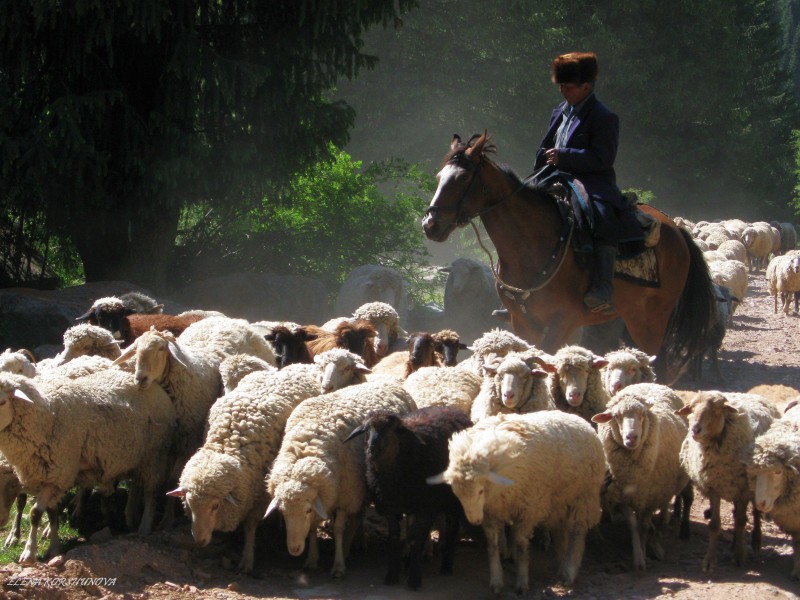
column 20, row 395
column 355, row 433
column 85, row 315
column 499, row 479
column 177, row 493
column 272, row 506
column 320, row 509
column 435, row 479
column 29, row 354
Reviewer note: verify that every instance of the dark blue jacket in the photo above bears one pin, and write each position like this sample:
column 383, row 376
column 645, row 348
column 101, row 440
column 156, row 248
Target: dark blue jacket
column 589, row 151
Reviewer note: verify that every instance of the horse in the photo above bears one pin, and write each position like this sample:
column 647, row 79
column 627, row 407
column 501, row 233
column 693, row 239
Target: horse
column 541, row 281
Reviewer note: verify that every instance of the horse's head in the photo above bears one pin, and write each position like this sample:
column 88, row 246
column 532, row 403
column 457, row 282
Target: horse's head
column 460, row 194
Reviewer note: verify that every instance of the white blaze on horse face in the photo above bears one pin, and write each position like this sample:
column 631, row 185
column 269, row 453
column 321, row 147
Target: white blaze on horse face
column 444, row 177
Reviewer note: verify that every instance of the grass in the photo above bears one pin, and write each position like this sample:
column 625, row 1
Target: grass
column 66, row 533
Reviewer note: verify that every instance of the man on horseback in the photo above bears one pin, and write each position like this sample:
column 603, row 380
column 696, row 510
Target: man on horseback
column 582, row 141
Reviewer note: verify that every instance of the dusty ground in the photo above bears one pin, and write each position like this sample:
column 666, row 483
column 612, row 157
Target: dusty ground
column 761, row 348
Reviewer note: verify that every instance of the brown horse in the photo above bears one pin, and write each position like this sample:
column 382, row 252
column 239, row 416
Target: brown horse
column 539, row 278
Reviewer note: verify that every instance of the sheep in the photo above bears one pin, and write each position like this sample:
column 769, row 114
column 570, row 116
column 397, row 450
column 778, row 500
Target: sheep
column 469, row 297
column 448, row 343
column 492, row 344
column 340, row 368
column 542, row 469
column 733, row 275
column 421, row 352
column 222, row 484
column 356, row 336
column 642, row 439
column 18, row 362
column 774, row 466
column 44, row 434
column 401, row 452
column 783, row 277
column 384, row 318
column 86, row 340
column 288, row 341
column 715, row 240
column 224, row 337
column 235, row 368
column 517, row 384
column 788, row 235
column 736, row 227
column 625, row 367
column 315, row 472
column 141, row 303
column 10, row 493
column 711, row 256
column 684, row 223
column 722, row 430
column 372, row 283
column 576, row 382
column 758, row 240
column 733, row 250
column 434, row 386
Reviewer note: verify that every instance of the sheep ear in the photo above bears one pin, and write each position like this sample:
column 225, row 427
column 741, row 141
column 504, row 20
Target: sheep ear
column 791, row 404
column 177, row 493
column 320, row 509
column 355, row 433
column 436, row 479
column 683, row 411
column 499, row 479
column 271, row 508
column 85, row 316
column 462, row 346
column 178, row 354
column 361, row 368
column 490, row 370
column 20, row 395
column 651, row 359
column 599, row 363
column 308, row 337
column 539, row 374
column 129, row 352
column 603, row 417
column 229, row 498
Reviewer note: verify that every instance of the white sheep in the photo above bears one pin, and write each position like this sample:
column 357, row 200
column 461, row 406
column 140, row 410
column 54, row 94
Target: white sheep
column 18, row 362
column 45, row 434
column 642, row 439
column 223, row 483
column 316, row 474
column 715, row 455
column 541, row 469
column 437, row 386
column 735, row 226
column 576, row 382
column 758, row 239
column 775, row 465
column 733, row 250
column 390, row 337
column 10, row 493
column 493, row 344
column 733, row 275
column 517, row 384
column 783, row 278
column 225, row 337
column 625, row 367
column 235, row 368
column 711, row 256
column 340, row 368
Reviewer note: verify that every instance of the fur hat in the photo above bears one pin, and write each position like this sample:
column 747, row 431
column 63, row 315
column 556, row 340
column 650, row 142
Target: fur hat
column 575, row 67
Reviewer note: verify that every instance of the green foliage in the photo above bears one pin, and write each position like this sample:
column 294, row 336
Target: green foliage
column 642, row 196
column 796, row 153
column 11, row 554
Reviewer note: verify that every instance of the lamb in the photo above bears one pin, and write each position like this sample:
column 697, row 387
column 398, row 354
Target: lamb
column 315, row 472
column 518, row 384
column 43, row 433
column 340, row 368
column 774, row 465
column 542, row 469
column 625, row 367
column 235, row 368
column 18, row 362
column 448, row 343
column 733, row 275
column 401, row 452
column 576, row 382
column 421, row 352
column 715, row 456
column 289, row 343
column 783, row 277
column 758, row 241
column 434, row 386
column 642, row 439
column 222, row 485
column 356, row 336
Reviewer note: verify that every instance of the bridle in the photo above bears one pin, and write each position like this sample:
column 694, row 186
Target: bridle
column 461, row 219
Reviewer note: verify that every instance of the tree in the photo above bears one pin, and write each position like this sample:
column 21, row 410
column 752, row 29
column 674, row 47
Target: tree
column 115, row 115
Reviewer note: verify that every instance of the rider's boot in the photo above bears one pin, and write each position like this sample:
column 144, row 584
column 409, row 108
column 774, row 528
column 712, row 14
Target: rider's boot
column 598, row 298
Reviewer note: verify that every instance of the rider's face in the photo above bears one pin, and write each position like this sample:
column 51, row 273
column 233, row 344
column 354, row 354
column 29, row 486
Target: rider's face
column 575, row 93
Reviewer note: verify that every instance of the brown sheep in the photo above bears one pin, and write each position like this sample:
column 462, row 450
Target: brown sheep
column 357, row 336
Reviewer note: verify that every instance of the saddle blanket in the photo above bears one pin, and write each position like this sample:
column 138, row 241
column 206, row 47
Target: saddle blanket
column 642, row 269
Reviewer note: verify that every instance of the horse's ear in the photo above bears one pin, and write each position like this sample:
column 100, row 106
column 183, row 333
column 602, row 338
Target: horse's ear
column 476, row 150
column 455, row 142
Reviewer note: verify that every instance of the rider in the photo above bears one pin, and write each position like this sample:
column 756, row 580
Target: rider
column 582, row 140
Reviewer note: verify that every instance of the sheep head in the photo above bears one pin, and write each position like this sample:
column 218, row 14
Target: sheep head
column 11, row 394
column 629, row 420
column 448, row 344
column 153, row 350
column 20, row 362
column 108, row 313
column 290, row 344
column 708, row 414
column 574, row 365
column 340, row 368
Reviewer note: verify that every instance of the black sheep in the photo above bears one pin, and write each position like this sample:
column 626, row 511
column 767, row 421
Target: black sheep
column 400, row 453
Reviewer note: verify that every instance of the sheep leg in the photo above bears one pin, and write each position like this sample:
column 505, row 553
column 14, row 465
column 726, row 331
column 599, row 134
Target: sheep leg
column 395, row 550
column 339, row 526
column 420, row 531
column 452, row 525
column 13, row 535
column 650, row 546
column 687, row 498
column 31, row 549
column 522, row 545
column 755, row 538
column 739, row 523
column 636, row 537
column 55, row 543
column 796, row 553
column 168, row 520
column 132, row 506
column 148, row 514
column 354, row 528
column 575, row 546
column 250, row 524
column 312, row 560
column 491, row 529
column 710, row 560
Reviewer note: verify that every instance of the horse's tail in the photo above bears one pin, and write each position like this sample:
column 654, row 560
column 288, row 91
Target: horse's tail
column 693, row 317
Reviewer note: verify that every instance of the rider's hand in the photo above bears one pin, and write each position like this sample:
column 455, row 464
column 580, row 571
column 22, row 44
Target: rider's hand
column 551, row 156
